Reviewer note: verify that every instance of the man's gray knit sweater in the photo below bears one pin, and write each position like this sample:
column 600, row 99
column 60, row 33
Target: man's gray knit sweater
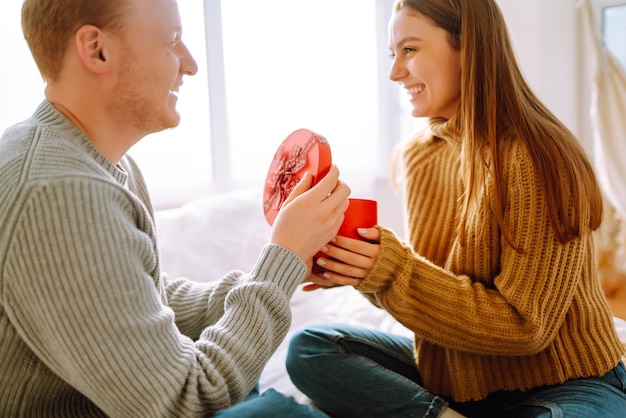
column 89, row 325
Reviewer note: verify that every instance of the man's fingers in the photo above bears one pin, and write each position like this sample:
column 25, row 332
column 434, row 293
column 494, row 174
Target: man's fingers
column 303, row 185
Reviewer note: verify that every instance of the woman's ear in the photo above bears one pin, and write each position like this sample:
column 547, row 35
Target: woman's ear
column 90, row 47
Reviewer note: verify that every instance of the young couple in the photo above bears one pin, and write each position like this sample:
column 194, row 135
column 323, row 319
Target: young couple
column 497, row 280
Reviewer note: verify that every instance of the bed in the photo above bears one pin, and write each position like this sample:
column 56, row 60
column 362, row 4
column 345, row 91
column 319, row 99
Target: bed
column 212, row 235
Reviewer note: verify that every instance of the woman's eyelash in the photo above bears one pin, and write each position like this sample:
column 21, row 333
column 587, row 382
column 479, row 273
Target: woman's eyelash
column 405, row 50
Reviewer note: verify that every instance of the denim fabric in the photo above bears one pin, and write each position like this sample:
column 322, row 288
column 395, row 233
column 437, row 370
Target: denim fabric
column 357, row 372
column 593, row 397
column 269, row 404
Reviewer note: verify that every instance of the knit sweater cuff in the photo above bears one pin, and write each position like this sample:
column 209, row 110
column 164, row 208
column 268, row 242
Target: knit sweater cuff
column 393, row 253
column 280, row 266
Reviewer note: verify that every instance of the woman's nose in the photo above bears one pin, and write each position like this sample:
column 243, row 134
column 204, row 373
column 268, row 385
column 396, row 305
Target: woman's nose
column 397, row 71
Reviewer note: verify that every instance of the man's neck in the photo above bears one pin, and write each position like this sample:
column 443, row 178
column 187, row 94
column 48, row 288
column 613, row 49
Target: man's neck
column 108, row 137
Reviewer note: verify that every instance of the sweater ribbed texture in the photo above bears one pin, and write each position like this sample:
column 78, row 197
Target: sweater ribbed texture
column 89, row 325
column 486, row 317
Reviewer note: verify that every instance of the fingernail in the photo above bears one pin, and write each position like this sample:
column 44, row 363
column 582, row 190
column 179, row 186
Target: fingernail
column 362, row 230
column 326, row 276
column 321, row 262
column 324, row 249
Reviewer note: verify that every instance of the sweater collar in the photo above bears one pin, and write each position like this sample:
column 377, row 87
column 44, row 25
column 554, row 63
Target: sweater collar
column 47, row 113
column 447, row 129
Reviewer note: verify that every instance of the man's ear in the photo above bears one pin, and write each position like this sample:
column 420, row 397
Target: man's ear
column 90, row 46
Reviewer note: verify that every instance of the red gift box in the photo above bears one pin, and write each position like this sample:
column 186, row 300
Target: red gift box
column 302, row 151
column 361, row 213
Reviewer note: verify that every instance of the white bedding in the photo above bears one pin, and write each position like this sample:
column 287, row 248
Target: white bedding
column 208, row 237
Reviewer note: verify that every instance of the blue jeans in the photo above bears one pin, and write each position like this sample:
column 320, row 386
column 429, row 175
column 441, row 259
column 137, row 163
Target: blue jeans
column 269, row 404
column 358, row 372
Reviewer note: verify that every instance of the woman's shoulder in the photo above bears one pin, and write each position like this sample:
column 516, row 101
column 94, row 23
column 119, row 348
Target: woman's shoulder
column 513, row 150
column 511, row 142
column 516, row 163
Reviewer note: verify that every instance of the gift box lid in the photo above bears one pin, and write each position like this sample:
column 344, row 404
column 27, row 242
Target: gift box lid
column 302, row 151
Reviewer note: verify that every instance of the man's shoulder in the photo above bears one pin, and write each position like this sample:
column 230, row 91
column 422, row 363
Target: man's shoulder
column 36, row 151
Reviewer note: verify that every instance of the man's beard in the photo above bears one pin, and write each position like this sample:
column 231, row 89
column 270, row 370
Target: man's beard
column 134, row 108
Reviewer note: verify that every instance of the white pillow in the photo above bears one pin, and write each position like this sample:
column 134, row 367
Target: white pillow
column 208, row 237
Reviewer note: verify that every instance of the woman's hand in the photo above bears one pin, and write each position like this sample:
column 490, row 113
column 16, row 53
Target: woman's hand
column 311, row 216
column 348, row 260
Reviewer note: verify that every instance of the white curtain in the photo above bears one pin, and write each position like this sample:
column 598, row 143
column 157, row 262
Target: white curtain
column 608, row 113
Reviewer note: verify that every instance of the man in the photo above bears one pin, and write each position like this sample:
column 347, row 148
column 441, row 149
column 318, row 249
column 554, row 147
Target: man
column 89, row 325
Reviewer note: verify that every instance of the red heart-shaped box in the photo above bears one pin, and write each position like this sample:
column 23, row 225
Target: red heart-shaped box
column 302, row 151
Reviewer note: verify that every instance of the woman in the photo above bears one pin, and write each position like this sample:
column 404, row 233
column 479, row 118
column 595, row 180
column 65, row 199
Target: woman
column 499, row 283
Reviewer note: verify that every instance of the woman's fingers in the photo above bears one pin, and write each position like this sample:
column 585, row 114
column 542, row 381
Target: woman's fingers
column 356, row 252
column 326, row 281
column 342, row 269
column 370, row 234
column 349, row 260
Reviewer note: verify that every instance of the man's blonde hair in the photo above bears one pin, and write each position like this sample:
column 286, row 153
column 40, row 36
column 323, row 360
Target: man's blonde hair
column 49, row 26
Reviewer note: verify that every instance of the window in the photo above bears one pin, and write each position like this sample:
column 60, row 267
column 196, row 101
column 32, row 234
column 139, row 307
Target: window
column 323, row 67
column 177, row 163
column 265, row 70
column 614, row 31
column 20, row 82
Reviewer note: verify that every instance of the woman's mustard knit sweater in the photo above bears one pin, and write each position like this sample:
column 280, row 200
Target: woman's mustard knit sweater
column 485, row 316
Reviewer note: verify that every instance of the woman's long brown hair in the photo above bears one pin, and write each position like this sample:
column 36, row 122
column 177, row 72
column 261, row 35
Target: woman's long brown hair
column 496, row 99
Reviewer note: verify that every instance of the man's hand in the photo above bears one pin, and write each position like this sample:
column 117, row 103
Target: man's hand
column 311, row 216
